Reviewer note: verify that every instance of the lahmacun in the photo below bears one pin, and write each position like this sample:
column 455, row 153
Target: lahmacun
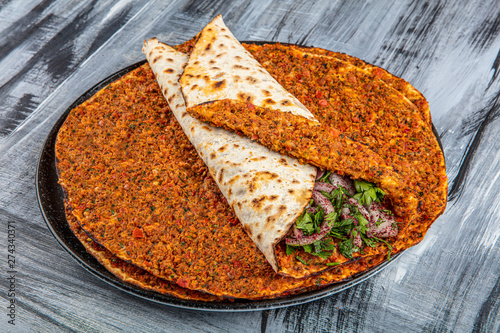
column 139, row 188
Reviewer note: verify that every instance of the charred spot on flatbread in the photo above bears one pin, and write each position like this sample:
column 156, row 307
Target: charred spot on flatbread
column 219, row 84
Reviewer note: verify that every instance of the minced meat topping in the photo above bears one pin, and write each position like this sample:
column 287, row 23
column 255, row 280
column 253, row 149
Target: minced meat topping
column 139, row 189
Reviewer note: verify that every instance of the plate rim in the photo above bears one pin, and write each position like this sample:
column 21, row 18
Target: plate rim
column 91, row 265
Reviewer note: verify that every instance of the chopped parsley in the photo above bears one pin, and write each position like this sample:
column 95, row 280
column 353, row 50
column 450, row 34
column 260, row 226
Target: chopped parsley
column 332, row 263
column 301, row 260
column 347, row 248
column 343, row 230
column 367, row 192
column 305, row 223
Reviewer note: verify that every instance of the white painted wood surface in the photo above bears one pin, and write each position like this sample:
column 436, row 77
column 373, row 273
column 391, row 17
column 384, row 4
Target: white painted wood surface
column 53, row 51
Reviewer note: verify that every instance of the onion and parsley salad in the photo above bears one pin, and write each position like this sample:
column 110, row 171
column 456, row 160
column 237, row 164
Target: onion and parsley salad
column 349, row 212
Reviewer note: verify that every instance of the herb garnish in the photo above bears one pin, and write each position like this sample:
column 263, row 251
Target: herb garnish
column 346, row 221
column 367, row 192
column 301, row 260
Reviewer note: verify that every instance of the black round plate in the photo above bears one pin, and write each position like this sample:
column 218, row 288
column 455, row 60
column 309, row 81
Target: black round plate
column 51, row 202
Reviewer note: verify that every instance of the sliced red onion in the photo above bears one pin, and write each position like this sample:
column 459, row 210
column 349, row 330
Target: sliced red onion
column 377, row 210
column 374, row 216
column 306, row 240
column 361, row 209
column 321, row 186
column 297, row 233
column 344, row 213
column 300, row 239
column 357, row 241
column 319, row 173
column 347, row 215
column 312, row 210
column 346, row 183
column 387, row 227
column 384, row 230
column 322, row 201
column 376, row 206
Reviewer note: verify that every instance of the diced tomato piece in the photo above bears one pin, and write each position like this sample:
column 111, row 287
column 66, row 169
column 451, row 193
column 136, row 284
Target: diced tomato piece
column 137, row 233
column 323, row 102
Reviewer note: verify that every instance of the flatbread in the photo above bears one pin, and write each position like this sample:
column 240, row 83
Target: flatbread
column 115, row 119
column 132, row 274
column 402, row 136
column 220, row 68
column 267, row 191
column 256, row 281
column 407, row 90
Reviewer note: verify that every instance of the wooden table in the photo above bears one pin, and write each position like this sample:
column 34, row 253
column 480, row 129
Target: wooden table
column 53, row 51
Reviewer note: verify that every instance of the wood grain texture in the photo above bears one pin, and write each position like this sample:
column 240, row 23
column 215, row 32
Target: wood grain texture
column 53, row 51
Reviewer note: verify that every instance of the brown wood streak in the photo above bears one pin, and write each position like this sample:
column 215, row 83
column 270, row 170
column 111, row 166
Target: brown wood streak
column 448, row 284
